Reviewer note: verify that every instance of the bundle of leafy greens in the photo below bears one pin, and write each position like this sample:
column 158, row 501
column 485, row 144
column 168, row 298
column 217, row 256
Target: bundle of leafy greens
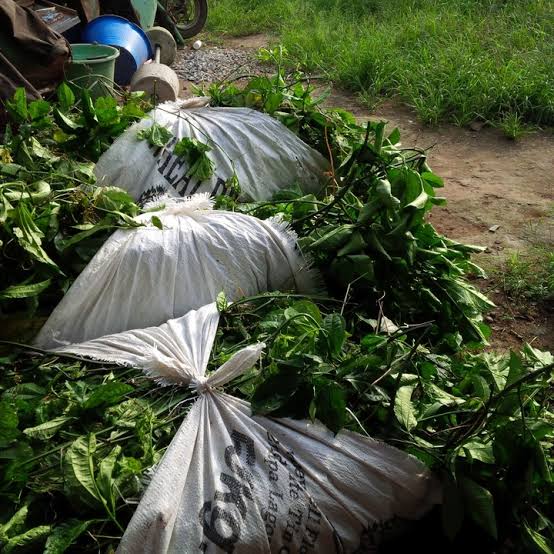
column 53, row 216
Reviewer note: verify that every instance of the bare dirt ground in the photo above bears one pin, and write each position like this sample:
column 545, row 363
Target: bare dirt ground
column 490, row 182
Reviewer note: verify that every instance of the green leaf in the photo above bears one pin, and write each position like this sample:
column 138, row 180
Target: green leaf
column 25, row 291
column 24, row 391
column 394, row 137
column 349, row 269
column 156, row 135
column 516, row 368
column 403, row 407
column 481, row 387
column 16, row 523
column 477, row 450
column 66, row 98
column 113, row 199
column 107, row 394
column 511, row 403
column 355, row 245
column 479, row 505
column 8, row 423
column 540, row 544
column 304, row 307
column 372, row 342
column 383, row 191
column 88, row 108
column 105, row 481
column 535, row 355
column 66, row 123
column 40, row 151
column 433, row 179
column 541, row 461
column 64, row 244
column 443, row 397
column 106, row 111
column 332, row 239
column 64, row 535
column 221, row 302
column 30, row 236
column 80, row 464
column 195, row 153
column 335, row 330
column 17, row 106
column 330, row 403
column 47, row 429
column 273, row 101
column 157, row 222
column 32, row 535
column 38, row 109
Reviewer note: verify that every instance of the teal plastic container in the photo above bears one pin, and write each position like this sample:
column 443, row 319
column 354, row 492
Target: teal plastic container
column 92, row 67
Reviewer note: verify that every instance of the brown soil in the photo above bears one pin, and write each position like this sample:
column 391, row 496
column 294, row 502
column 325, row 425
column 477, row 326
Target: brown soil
column 490, row 182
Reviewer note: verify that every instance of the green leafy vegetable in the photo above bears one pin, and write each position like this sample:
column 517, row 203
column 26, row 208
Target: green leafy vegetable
column 156, row 135
column 195, row 153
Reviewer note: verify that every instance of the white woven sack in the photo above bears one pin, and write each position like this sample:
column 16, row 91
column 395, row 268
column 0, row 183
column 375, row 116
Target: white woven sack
column 231, row 482
column 145, row 276
column 263, row 154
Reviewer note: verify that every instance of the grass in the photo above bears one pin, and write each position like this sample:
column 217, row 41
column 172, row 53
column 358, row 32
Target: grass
column 529, row 276
column 452, row 60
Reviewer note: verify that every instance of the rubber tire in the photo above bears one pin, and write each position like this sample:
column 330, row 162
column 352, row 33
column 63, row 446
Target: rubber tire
column 189, row 31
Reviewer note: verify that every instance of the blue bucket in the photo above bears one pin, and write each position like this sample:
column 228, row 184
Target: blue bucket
column 131, row 41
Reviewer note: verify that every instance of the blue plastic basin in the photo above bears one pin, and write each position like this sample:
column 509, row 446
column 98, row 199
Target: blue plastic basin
column 131, row 41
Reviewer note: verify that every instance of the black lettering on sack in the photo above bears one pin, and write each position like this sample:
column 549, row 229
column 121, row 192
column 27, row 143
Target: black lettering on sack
column 196, row 187
column 270, row 514
column 213, row 531
column 274, row 458
column 237, row 492
column 223, row 528
column 155, row 149
column 294, row 521
column 151, row 194
column 168, row 151
column 185, row 180
column 219, row 183
column 178, row 163
column 313, row 514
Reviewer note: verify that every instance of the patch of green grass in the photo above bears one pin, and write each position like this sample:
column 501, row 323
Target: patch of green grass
column 452, row 60
column 246, row 17
column 529, row 275
column 513, row 126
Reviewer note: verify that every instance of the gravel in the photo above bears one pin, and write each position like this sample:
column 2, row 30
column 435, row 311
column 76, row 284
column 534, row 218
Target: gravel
column 212, row 64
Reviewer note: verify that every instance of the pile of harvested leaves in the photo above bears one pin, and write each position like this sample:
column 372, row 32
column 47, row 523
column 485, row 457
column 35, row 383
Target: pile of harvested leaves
column 53, row 217
column 394, row 349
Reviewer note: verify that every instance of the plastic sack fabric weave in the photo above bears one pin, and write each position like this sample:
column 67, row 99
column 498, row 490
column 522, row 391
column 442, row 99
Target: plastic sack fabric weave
column 145, row 276
column 233, row 482
column 263, row 154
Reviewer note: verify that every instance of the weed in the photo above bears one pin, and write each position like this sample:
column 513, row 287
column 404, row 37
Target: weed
column 513, row 126
column 529, row 275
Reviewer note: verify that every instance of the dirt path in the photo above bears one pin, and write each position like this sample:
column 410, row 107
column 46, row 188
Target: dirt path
column 490, row 182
